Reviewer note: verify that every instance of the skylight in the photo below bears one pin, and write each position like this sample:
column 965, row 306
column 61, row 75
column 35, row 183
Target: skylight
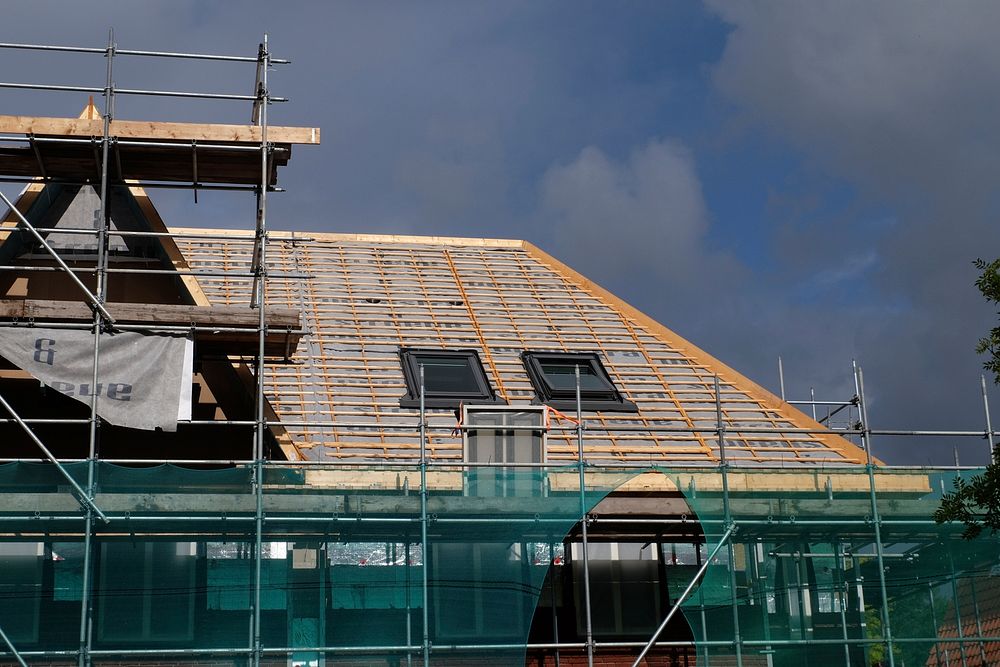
column 451, row 377
column 553, row 374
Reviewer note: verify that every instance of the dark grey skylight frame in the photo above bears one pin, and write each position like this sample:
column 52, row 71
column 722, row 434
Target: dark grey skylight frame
column 451, row 378
column 553, row 376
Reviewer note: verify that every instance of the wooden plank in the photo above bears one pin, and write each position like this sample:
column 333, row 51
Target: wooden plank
column 233, row 316
column 382, row 480
column 282, row 337
column 195, row 293
column 132, row 129
column 163, row 163
column 744, row 482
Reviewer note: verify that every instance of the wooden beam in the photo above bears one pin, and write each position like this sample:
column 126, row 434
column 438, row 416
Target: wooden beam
column 156, row 224
column 282, row 338
column 221, row 316
column 132, row 129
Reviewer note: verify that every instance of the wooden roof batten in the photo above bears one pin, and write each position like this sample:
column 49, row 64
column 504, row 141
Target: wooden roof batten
column 195, row 153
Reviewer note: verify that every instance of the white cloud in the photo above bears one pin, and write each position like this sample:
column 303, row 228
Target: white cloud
column 646, row 211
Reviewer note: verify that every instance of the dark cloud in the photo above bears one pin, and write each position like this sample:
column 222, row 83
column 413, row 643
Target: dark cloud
column 899, row 100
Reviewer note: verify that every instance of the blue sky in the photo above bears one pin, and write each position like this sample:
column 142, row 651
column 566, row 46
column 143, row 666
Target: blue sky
column 805, row 179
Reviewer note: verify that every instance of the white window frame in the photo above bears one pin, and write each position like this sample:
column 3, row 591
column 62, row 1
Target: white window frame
column 491, row 409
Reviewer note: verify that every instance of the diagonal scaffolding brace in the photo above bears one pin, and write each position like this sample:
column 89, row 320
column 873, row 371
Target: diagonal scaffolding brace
column 10, row 645
column 81, row 496
column 94, row 301
column 687, row 591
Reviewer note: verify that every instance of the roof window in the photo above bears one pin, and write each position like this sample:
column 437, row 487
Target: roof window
column 553, row 375
column 451, row 377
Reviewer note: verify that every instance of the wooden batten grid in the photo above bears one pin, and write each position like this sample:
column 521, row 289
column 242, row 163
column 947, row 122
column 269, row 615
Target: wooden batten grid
column 369, row 294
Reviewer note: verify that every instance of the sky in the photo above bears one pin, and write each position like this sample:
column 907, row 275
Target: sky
column 804, row 180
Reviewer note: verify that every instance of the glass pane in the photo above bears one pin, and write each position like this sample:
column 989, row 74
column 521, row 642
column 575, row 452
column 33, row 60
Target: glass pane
column 20, row 589
column 448, row 375
column 561, row 376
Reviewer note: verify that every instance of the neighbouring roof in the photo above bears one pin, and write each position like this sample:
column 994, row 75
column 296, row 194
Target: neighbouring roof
column 364, row 296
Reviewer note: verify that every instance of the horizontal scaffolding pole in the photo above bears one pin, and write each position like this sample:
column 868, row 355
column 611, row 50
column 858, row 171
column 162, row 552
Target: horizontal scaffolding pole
column 115, row 141
column 148, row 185
column 177, row 235
column 453, row 648
column 174, row 328
column 136, row 91
column 134, row 52
column 830, row 403
column 248, row 516
column 164, row 272
column 592, row 432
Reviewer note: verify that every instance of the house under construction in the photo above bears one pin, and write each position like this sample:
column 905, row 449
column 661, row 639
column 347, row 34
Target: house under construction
column 298, row 448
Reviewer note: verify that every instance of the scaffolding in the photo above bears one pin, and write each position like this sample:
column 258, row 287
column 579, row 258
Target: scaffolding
column 854, row 519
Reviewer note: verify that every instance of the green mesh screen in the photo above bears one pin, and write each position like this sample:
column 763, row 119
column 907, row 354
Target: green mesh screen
column 343, row 566
column 800, row 577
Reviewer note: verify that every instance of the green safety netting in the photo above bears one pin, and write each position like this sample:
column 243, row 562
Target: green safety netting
column 803, row 571
column 342, row 567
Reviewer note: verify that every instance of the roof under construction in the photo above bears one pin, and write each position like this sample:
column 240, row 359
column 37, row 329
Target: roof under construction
column 363, row 297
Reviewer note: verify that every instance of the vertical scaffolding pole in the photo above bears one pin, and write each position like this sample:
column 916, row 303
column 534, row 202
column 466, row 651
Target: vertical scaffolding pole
column 866, row 436
column 957, row 604
column 781, row 378
column 842, row 593
column 760, row 593
column 937, row 644
column 426, row 642
column 728, row 519
column 103, row 215
column 583, row 521
column 552, row 597
column 260, row 299
column 409, row 630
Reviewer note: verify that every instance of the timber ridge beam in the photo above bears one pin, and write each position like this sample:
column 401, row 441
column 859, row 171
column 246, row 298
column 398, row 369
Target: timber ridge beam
column 131, row 129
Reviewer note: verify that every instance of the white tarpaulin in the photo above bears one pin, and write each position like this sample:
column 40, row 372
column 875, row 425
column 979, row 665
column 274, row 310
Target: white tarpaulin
column 144, row 380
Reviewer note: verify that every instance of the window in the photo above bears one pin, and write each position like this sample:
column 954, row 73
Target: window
column 451, row 377
column 625, row 578
column 500, row 436
column 482, row 591
column 147, row 591
column 553, row 375
column 21, row 589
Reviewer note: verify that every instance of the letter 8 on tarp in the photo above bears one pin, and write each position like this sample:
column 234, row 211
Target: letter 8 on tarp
column 145, row 378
